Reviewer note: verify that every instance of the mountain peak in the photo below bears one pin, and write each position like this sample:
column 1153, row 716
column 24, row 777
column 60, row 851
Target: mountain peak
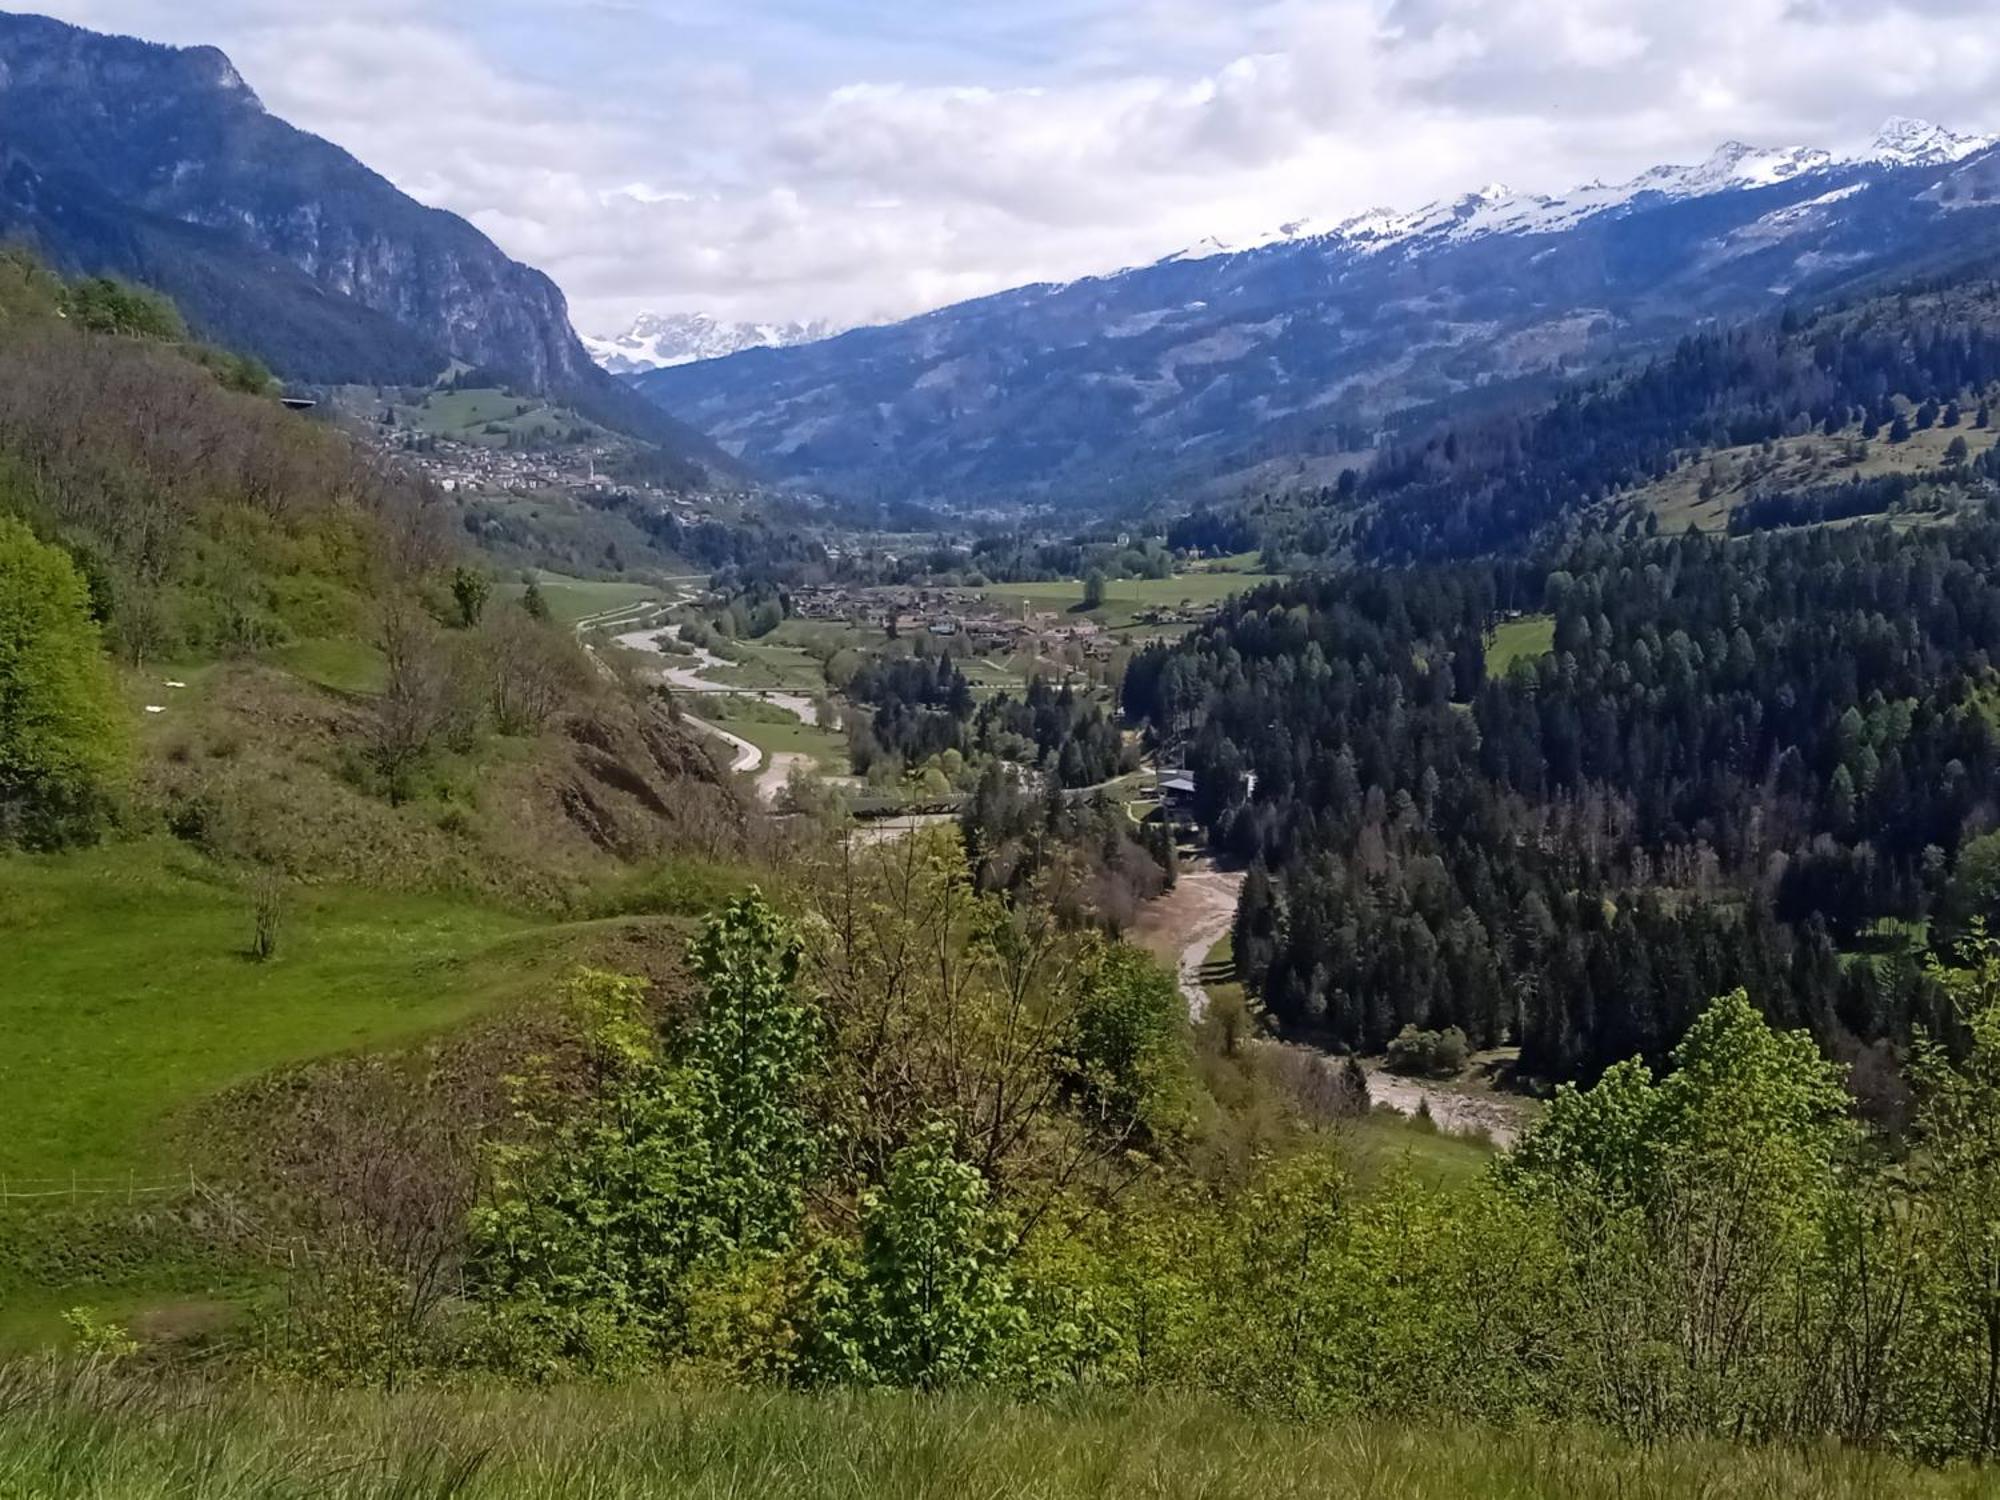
column 658, row 341
column 1903, row 141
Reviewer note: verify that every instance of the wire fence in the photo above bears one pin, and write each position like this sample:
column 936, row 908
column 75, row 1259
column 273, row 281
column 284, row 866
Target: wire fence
column 78, row 1188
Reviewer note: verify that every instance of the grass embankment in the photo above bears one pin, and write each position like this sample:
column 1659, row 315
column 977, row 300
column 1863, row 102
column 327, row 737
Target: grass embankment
column 127, row 993
column 90, row 1437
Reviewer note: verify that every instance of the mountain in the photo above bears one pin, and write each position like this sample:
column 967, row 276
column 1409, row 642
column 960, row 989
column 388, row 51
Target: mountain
column 659, row 341
column 160, row 164
column 1299, row 349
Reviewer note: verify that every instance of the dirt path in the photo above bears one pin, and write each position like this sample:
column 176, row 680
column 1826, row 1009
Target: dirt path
column 1181, row 926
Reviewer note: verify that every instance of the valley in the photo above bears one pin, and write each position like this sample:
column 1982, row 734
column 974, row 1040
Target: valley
column 1361, row 858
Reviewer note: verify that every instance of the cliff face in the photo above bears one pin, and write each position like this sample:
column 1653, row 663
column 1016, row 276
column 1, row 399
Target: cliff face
column 162, row 163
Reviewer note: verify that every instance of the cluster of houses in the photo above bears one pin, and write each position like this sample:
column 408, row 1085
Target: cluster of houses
column 983, row 625
column 462, row 468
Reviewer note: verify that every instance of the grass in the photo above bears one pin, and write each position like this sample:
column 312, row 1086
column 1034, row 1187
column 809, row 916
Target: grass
column 69, row 1431
column 1124, row 597
column 1813, row 459
column 346, row 666
column 127, row 995
column 1384, row 1141
column 573, row 599
column 777, row 668
column 465, row 415
column 775, row 730
column 1519, row 640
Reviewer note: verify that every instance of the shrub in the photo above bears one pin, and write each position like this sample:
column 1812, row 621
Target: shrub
column 62, row 737
column 1428, row 1054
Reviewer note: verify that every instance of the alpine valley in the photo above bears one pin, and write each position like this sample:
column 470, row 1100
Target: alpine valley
column 1225, row 366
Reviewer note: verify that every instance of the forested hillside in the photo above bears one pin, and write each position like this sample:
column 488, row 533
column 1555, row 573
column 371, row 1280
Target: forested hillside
column 1734, row 762
column 1504, row 480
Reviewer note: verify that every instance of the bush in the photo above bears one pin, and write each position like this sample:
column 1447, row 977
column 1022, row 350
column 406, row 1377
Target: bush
column 62, row 736
column 1428, row 1054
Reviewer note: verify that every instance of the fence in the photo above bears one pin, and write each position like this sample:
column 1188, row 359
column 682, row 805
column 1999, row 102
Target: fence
column 77, row 1188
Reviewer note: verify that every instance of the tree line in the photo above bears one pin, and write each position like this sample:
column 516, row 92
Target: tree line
column 1749, row 762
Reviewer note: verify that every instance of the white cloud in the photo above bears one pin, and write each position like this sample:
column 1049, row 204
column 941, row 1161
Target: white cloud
column 797, row 158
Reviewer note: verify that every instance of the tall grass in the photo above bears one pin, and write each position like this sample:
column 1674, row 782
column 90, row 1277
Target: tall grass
column 85, row 1432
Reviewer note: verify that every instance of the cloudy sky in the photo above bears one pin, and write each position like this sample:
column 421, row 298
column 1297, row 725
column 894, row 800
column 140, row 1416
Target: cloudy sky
column 863, row 159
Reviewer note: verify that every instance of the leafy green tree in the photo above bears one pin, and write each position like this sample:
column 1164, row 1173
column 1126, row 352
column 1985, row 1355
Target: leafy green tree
column 63, row 740
column 1697, row 1215
column 470, row 589
column 1955, row 1178
column 1093, row 589
column 609, row 1224
column 931, row 1302
column 104, row 305
column 533, row 600
column 1126, row 1061
column 749, row 1056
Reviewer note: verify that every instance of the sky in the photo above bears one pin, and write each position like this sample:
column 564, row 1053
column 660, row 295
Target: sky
column 794, row 159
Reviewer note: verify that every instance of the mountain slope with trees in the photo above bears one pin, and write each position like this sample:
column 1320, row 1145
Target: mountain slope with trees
column 161, row 166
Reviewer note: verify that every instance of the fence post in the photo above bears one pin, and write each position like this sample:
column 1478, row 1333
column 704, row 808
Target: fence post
column 72, row 1187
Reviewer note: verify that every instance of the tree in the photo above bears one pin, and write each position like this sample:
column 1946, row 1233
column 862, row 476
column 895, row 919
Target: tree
column 63, row 740
column 1899, row 429
column 1958, row 450
column 104, row 305
column 470, row 589
column 930, row 1303
column 687, row 1167
column 1093, row 589
column 1695, row 1212
column 533, row 601
column 749, row 1056
column 1955, row 1173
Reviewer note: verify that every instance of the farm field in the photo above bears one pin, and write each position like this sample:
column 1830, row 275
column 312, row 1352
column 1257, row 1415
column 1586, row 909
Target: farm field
column 573, row 599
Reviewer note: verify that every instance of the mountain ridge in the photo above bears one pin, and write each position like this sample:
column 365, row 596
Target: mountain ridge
column 658, row 341
column 1195, row 370
column 162, row 165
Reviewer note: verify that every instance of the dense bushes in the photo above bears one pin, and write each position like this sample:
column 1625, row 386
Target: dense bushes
column 62, row 732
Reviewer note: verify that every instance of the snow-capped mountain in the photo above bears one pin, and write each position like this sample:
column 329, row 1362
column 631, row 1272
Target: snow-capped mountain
column 1228, row 360
column 658, row 341
column 1498, row 209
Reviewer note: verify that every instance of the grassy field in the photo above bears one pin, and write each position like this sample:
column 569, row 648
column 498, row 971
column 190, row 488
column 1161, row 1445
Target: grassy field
column 1519, row 640
column 346, row 666
column 1124, row 597
column 89, row 1433
column 774, row 730
column 771, row 666
column 466, row 415
column 127, row 994
column 1677, row 501
column 573, row 599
